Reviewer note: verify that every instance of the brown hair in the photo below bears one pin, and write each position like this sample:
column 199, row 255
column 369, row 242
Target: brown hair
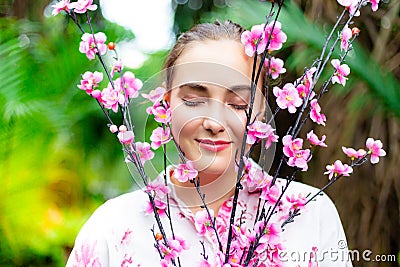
column 227, row 30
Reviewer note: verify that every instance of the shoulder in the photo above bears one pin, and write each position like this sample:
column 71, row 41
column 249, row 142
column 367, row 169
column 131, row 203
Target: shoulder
column 115, row 213
column 133, row 200
column 318, row 226
column 108, row 232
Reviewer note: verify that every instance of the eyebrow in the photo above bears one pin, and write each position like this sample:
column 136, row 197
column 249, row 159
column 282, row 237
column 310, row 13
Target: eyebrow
column 201, row 88
column 240, row 88
column 194, row 86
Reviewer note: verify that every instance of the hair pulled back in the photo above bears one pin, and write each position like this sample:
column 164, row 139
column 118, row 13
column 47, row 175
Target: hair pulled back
column 226, row 30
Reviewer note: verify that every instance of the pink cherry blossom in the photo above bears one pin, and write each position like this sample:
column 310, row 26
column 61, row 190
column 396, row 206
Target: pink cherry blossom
column 130, row 84
column 126, row 137
column 159, row 137
column 353, row 154
column 143, row 149
column 375, row 149
column 296, row 202
column 110, row 98
column 290, row 147
column 293, row 150
column 161, row 114
column 149, row 110
column 203, row 222
column 175, row 248
column 271, row 138
column 59, row 6
column 351, row 6
column 341, row 72
column 270, row 233
column 287, row 97
column 97, row 95
column 338, row 168
column 254, row 177
column 241, row 240
column 159, row 204
column 300, row 159
column 81, row 6
column 306, row 83
column 157, row 188
column 254, row 40
column 127, row 85
column 315, row 114
column 88, row 44
column 117, row 67
column 346, row 35
column 374, row 4
column 257, row 179
column 271, row 194
column 274, row 67
column 185, row 172
column 260, row 130
column 155, row 95
column 90, row 80
column 278, row 37
column 313, row 139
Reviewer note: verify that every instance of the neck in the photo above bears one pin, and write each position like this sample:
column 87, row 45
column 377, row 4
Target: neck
column 216, row 188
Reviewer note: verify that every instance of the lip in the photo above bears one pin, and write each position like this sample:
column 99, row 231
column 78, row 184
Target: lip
column 213, row 145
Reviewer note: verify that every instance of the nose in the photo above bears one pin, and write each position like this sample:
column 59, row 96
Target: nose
column 214, row 120
column 212, row 125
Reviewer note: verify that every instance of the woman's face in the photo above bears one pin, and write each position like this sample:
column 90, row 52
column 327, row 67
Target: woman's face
column 209, row 96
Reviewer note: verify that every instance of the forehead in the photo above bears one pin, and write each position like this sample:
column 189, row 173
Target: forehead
column 221, row 62
column 208, row 73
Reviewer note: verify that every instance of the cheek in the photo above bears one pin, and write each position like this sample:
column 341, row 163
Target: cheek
column 183, row 123
column 236, row 124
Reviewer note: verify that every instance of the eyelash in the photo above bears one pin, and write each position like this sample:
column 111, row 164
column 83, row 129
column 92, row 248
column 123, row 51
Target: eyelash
column 191, row 103
column 239, row 107
column 196, row 103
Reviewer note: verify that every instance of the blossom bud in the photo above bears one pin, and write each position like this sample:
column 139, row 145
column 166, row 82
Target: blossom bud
column 159, row 236
column 355, row 30
column 122, row 128
column 111, row 45
column 113, row 128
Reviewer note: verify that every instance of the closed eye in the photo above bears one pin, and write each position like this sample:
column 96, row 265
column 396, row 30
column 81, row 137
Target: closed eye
column 192, row 103
column 240, row 107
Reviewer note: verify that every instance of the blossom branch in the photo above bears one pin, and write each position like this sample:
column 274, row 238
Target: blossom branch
column 196, row 183
column 254, row 81
column 337, row 177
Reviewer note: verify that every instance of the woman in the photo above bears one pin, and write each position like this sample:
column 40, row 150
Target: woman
column 208, row 91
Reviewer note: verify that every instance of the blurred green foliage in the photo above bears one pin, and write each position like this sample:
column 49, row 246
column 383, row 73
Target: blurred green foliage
column 54, row 146
column 58, row 161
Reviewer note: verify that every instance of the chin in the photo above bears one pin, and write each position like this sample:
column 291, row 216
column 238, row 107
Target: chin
column 215, row 166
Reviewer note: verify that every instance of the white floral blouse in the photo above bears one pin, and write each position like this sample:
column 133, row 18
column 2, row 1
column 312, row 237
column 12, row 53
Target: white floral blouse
column 119, row 234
